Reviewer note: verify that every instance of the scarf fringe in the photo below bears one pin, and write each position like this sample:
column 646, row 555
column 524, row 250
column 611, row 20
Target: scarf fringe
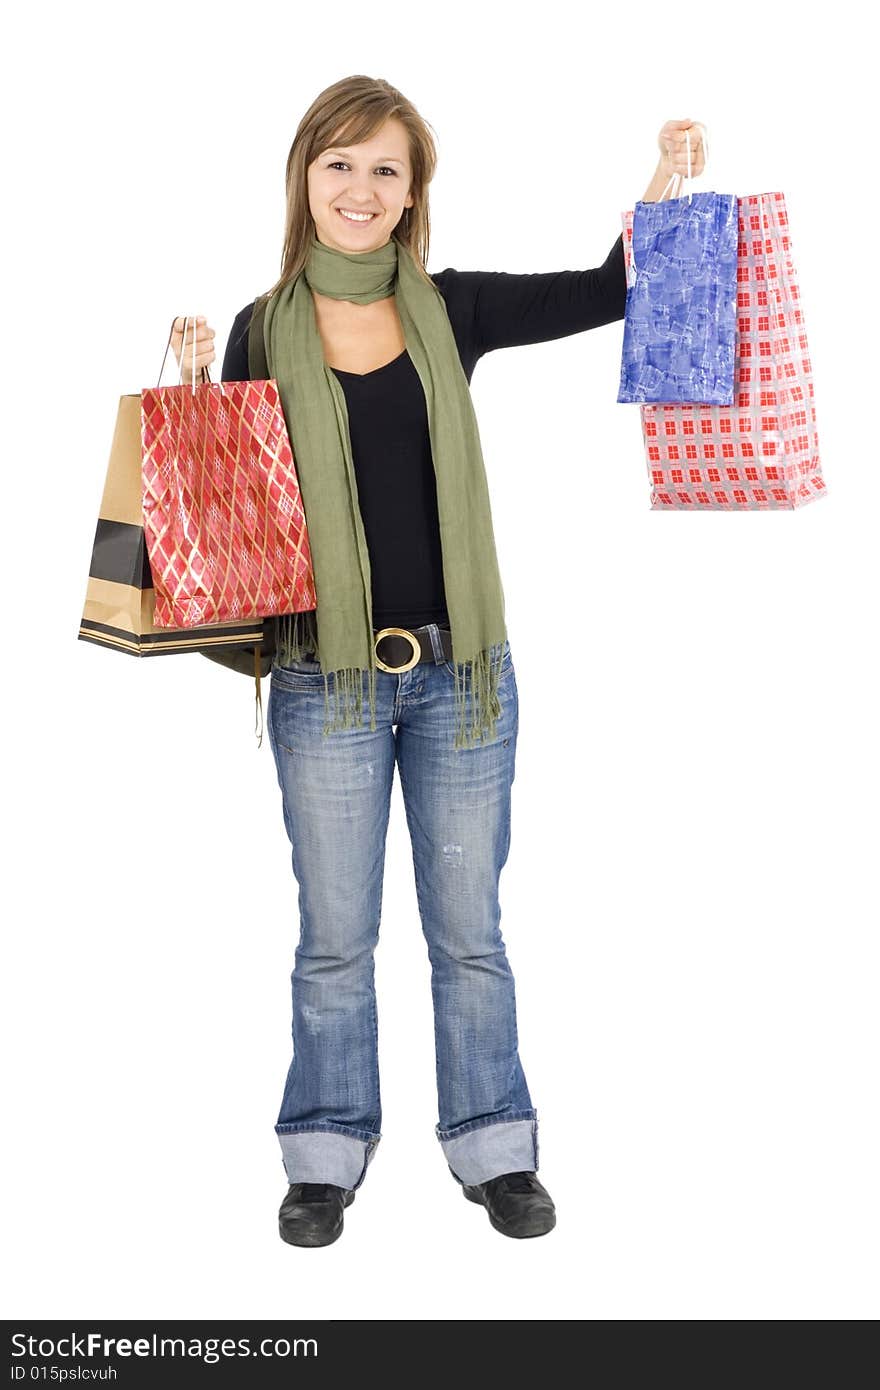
column 349, row 713
column 297, row 638
column 484, row 673
column 478, row 679
column 296, row 635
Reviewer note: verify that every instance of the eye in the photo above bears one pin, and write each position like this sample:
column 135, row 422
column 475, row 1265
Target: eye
column 340, row 163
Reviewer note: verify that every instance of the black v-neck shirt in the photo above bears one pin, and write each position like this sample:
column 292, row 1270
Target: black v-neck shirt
column 388, row 418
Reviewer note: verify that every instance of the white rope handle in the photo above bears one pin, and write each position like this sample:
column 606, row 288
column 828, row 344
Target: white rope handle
column 678, row 177
column 186, row 319
column 632, row 273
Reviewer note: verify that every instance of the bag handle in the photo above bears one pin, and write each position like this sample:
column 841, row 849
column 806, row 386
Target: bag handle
column 204, row 374
column 679, row 177
column 632, row 272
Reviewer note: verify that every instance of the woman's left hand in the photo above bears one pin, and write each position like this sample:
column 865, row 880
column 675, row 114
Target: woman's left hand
column 673, row 148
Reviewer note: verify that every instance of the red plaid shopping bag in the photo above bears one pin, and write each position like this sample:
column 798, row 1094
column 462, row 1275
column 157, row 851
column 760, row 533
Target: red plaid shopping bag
column 120, row 596
column 762, row 452
column 224, row 521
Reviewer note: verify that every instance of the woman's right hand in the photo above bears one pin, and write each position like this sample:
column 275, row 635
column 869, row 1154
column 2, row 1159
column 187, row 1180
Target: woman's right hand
column 204, row 345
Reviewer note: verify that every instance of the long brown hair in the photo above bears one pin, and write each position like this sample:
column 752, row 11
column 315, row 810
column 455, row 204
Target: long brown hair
column 349, row 111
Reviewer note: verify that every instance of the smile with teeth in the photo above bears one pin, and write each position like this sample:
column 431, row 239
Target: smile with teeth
column 356, row 216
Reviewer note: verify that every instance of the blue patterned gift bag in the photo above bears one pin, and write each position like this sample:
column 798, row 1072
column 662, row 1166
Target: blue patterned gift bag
column 679, row 331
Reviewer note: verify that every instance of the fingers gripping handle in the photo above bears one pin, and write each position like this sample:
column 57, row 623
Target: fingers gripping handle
column 204, row 375
column 673, row 183
column 677, row 178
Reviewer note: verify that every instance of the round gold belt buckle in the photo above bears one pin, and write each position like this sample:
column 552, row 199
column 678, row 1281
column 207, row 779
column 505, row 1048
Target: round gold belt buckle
column 397, row 632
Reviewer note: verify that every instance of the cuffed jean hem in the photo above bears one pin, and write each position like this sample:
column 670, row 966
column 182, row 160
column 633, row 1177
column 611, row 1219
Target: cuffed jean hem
column 326, row 1153
column 483, row 1149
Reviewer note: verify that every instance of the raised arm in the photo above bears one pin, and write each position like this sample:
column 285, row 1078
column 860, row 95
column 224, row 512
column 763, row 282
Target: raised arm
column 495, row 309
column 512, row 310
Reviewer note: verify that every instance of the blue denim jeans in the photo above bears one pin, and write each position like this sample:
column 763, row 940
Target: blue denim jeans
column 336, row 795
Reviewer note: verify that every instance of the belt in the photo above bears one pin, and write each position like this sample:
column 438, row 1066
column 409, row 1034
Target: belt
column 402, row 647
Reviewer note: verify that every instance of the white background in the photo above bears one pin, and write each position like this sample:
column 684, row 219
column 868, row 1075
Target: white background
column 690, row 902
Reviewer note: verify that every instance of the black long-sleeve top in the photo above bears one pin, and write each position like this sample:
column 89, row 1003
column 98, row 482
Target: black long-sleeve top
column 388, row 421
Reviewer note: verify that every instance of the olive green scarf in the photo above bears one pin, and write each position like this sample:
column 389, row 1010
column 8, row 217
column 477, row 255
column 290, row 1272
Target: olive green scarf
column 340, row 629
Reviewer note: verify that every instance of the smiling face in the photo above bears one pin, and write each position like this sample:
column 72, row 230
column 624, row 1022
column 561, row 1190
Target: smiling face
column 372, row 177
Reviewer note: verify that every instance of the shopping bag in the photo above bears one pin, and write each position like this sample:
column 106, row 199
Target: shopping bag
column 680, row 313
column 224, row 521
column 762, row 451
column 680, row 316
column 120, row 598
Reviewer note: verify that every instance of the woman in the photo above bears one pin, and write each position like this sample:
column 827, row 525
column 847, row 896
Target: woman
column 405, row 658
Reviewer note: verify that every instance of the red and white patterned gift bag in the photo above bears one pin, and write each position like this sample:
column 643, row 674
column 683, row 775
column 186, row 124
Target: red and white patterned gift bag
column 762, row 452
column 224, row 522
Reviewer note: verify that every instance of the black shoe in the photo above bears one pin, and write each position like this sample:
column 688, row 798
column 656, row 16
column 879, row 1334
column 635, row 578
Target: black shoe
column 518, row 1205
column 311, row 1213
